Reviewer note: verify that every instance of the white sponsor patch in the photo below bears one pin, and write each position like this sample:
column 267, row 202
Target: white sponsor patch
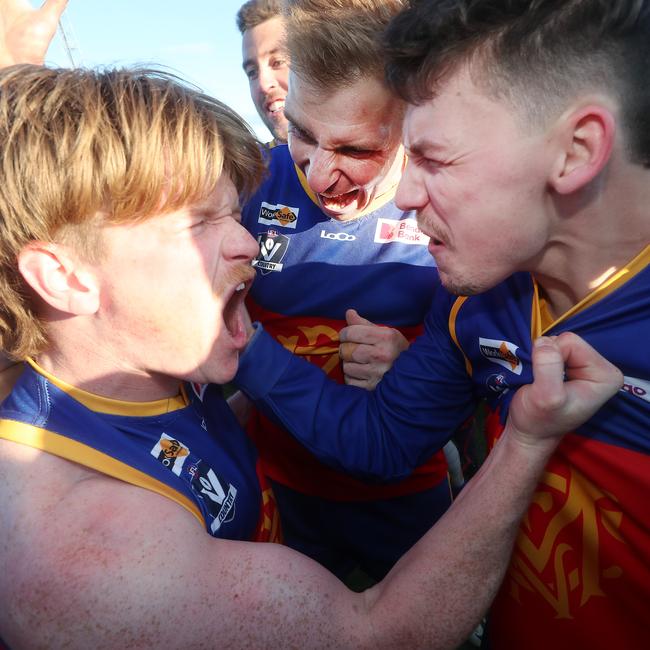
column 405, row 231
column 502, row 353
column 637, row 387
column 171, row 453
column 278, row 215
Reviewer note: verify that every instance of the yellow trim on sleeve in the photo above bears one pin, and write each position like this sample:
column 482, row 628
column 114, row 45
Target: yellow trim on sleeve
column 453, row 314
column 77, row 452
column 110, row 406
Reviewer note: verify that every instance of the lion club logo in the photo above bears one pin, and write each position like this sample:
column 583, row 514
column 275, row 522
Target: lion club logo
column 278, row 215
column 558, row 551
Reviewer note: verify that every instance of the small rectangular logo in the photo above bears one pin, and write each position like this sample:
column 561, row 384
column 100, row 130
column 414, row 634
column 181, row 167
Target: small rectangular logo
column 403, row 231
column 638, row 387
column 502, row 353
column 171, row 453
column 278, row 215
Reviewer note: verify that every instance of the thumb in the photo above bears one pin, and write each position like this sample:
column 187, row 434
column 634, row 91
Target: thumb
column 352, row 317
column 53, row 8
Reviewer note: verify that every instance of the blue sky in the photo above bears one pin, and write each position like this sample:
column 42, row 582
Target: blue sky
column 197, row 39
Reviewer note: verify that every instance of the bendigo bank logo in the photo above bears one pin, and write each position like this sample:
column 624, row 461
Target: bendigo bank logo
column 503, row 353
column 278, row 215
column 559, row 552
column 404, row 231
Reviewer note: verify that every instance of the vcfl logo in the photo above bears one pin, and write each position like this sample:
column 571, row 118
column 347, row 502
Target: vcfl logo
column 338, row 236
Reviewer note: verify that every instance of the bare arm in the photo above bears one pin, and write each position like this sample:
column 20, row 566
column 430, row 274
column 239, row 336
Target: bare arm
column 367, row 350
column 25, row 32
column 138, row 571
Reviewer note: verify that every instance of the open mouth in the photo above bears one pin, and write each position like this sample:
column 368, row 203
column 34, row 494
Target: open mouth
column 340, row 201
column 275, row 107
column 233, row 313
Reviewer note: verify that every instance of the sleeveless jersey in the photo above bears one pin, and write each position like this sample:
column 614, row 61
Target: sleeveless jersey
column 580, row 571
column 189, row 449
column 311, row 268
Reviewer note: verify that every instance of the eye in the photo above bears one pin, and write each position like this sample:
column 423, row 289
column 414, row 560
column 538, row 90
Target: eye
column 297, row 132
column 356, row 152
column 251, row 73
column 278, row 63
column 431, row 164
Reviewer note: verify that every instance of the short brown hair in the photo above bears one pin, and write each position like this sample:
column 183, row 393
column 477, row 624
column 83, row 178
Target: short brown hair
column 121, row 144
column 333, row 43
column 255, row 12
column 537, row 54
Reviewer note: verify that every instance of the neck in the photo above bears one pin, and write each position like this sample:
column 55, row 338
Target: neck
column 594, row 237
column 94, row 370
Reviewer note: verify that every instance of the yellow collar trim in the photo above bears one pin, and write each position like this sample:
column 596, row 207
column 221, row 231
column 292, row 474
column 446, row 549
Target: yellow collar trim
column 542, row 319
column 110, row 406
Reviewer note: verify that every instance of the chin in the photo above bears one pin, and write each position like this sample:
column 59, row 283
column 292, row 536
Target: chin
column 460, row 287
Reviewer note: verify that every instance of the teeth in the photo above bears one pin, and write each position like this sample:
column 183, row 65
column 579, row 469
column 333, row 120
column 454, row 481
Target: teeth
column 276, row 106
column 240, row 287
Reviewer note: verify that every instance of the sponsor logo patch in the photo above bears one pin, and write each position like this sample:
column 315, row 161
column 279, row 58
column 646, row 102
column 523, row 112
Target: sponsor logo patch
column 220, row 504
column 338, row 236
column 637, row 387
column 405, row 231
column 171, row 453
column 278, row 215
column 273, row 247
column 503, row 353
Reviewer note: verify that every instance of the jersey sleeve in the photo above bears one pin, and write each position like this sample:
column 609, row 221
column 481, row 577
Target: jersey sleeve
column 382, row 434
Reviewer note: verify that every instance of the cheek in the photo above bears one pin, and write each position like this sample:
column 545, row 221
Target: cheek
column 367, row 172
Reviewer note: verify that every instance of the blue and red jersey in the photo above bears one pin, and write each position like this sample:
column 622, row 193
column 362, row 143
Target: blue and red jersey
column 310, row 269
column 580, row 571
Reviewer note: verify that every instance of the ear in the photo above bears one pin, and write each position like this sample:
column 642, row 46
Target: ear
column 59, row 277
column 587, row 138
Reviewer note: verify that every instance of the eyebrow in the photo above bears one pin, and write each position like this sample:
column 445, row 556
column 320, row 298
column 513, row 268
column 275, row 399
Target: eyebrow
column 421, row 145
column 297, row 125
column 251, row 61
column 361, row 146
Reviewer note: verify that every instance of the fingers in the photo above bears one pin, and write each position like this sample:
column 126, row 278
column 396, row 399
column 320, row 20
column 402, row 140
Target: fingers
column 346, row 350
column 571, row 383
column 352, row 317
column 583, row 362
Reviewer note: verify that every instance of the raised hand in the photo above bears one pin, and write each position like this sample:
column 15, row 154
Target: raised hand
column 25, row 32
column 367, row 350
column 571, row 382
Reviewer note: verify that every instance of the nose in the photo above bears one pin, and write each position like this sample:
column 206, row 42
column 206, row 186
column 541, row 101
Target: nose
column 411, row 193
column 266, row 79
column 321, row 171
column 240, row 245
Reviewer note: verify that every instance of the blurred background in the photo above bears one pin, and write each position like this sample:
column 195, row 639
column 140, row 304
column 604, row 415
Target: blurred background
column 196, row 39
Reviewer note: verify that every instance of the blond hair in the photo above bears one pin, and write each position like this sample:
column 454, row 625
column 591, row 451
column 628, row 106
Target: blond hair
column 333, row 43
column 82, row 147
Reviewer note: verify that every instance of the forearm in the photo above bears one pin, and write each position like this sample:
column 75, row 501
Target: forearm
column 438, row 591
column 382, row 435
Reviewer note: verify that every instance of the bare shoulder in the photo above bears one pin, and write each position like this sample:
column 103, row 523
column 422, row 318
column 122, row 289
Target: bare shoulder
column 95, row 562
